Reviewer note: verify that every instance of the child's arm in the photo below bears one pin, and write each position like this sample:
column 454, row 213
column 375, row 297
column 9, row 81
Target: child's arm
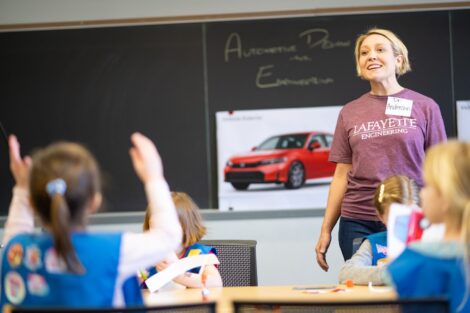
column 192, row 280
column 360, row 269
column 164, row 236
column 20, row 215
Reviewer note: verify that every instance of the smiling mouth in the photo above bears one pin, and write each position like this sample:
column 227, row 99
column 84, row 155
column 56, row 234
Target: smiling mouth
column 374, row 66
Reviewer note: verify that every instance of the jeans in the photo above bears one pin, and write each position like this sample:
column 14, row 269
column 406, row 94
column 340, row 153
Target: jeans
column 350, row 229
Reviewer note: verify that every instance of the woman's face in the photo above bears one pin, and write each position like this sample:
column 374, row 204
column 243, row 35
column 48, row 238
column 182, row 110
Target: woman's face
column 433, row 204
column 376, row 59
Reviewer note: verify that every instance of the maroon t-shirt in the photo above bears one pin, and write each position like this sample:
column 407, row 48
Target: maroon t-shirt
column 380, row 145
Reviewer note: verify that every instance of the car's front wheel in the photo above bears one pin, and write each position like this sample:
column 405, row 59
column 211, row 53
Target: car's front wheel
column 240, row 186
column 296, row 176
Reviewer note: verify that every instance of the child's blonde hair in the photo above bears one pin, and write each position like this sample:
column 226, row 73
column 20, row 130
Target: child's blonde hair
column 395, row 189
column 189, row 217
column 447, row 169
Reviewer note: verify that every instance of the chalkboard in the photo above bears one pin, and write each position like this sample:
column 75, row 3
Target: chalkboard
column 97, row 86
column 461, row 53
column 308, row 62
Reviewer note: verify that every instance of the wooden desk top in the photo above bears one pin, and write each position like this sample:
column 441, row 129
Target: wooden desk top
column 224, row 296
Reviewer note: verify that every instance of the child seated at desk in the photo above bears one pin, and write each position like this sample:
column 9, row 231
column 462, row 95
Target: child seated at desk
column 440, row 269
column 193, row 231
column 67, row 266
column 366, row 264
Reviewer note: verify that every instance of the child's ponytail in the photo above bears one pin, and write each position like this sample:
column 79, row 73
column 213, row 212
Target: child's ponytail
column 60, row 225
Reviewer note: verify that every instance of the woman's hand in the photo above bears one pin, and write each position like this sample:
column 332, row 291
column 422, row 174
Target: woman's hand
column 322, row 247
column 19, row 166
column 332, row 212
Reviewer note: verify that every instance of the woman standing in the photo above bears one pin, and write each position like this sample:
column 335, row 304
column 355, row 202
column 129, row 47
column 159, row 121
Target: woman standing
column 384, row 132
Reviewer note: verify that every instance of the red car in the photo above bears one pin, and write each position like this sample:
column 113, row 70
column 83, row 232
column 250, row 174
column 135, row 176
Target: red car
column 289, row 159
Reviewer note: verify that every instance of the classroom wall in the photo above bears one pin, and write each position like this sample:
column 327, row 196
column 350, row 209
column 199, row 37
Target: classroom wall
column 285, row 250
column 285, row 246
column 46, row 11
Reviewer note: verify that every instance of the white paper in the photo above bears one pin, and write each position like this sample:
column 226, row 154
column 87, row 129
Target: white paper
column 399, row 106
column 181, row 266
column 463, row 118
column 397, row 229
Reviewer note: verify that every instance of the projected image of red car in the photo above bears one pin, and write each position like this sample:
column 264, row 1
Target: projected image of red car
column 288, row 159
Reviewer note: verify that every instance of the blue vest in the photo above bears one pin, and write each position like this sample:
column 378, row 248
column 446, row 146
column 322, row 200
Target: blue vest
column 416, row 275
column 378, row 243
column 197, row 249
column 33, row 276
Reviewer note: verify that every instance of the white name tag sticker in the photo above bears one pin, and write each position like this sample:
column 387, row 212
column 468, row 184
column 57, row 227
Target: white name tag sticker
column 399, row 106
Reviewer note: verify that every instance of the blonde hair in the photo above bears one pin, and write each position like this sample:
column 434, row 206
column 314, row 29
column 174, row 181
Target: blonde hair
column 398, row 48
column 447, row 169
column 189, row 217
column 395, row 189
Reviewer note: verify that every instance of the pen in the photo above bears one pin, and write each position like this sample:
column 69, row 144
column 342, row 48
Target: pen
column 143, row 275
column 205, row 290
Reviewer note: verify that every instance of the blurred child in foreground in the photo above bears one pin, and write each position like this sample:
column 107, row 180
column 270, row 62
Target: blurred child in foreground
column 67, row 265
column 440, row 269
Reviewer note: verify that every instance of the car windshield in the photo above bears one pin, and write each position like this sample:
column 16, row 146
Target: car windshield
column 283, row 142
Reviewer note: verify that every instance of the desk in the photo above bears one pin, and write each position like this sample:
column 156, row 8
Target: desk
column 224, row 296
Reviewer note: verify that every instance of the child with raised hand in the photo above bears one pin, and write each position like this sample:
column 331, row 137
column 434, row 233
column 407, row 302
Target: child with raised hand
column 193, row 231
column 66, row 266
column 440, row 269
column 366, row 264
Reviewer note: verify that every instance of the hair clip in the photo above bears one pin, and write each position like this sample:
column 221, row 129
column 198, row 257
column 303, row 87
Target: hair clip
column 381, row 193
column 56, row 186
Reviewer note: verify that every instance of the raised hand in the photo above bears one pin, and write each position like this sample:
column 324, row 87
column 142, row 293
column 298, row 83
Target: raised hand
column 145, row 158
column 19, row 166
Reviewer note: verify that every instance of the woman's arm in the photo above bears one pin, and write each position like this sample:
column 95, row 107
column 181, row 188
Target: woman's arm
column 360, row 269
column 435, row 129
column 332, row 212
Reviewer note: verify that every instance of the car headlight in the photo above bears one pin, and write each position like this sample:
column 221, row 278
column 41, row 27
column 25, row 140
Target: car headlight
column 229, row 163
column 273, row 161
